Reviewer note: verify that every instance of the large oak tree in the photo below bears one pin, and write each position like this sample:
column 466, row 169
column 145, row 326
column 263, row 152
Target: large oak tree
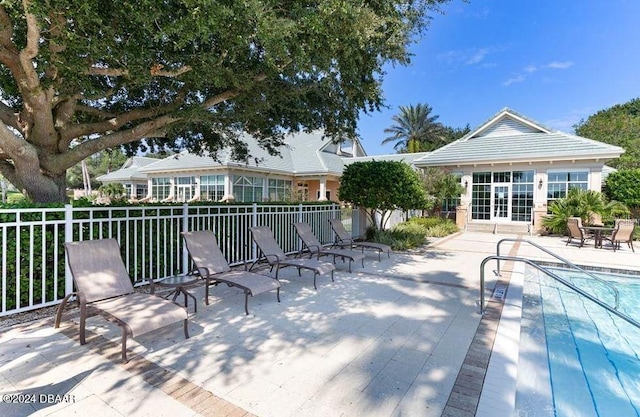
column 81, row 76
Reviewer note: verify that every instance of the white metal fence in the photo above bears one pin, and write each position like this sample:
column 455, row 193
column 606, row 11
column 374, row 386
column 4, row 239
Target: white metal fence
column 33, row 267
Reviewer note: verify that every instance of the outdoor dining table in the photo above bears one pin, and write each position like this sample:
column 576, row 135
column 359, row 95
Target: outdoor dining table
column 599, row 232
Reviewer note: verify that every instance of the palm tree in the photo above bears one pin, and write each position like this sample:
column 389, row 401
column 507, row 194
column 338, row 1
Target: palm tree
column 415, row 130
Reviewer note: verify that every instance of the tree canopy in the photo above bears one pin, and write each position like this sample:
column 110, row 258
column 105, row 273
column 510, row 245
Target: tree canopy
column 618, row 125
column 79, row 77
column 624, row 186
column 380, row 187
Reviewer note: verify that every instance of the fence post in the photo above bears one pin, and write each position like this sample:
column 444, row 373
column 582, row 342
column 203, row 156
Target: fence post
column 254, row 223
column 185, row 228
column 68, row 237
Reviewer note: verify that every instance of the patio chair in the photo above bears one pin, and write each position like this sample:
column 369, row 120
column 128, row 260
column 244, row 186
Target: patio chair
column 344, row 238
column 623, row 232
column 103, row 284
column 275, row 256
column 214, row 268
column 576, row 231
column 314, row 246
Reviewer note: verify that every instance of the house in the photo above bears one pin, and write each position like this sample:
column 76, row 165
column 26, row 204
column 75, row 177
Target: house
column 513, row 167
column 129, row 175
column 307, row 169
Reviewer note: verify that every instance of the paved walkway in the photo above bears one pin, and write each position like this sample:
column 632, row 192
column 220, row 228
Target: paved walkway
column 390, row 339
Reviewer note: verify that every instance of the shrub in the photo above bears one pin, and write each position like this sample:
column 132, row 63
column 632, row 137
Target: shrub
column 413, row 233
column 402, row 236
column 443, row 229
column 426, row 222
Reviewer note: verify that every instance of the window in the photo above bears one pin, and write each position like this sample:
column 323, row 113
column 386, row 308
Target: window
column 512, row 192
column 160, row 188
column 141, row 191
column 279, row 190
column 450, row 204
column 212, row 187
column 559, row 183
column 185, row 188
column 481, row 196
column 247, row 189
column 327, row 195
column 522, row 196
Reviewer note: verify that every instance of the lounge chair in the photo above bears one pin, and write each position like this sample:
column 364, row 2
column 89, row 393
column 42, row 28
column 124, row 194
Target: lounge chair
column 103, row 284
column 214, row 268
column 576, row 231
column 623, row 233
column 314, row 246
column 344, row 238
column 275, row 256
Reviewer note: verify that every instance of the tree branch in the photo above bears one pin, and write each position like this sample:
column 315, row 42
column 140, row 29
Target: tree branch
column 9, row 117
column 6, row 29
column 67, row 134
column 89, row 147
column 155, row 70
column 31, row 49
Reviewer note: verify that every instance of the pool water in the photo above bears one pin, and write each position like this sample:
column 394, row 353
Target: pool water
column 593, row 355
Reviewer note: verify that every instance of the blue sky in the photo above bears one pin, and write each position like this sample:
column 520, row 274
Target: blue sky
column 555, row 61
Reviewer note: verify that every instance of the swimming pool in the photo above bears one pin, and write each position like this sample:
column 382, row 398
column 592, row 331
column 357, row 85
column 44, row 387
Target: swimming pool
column 577, row 358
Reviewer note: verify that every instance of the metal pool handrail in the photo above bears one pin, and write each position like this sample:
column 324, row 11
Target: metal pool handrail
column 606, row 306
column 616, row 293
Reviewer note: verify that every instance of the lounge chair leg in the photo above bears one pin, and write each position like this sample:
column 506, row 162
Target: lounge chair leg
column 206, row 292
column 83, row 320
column 124, row 345
column 349, row 265
column 246, row 303
column 315, row 274
column 278, row 294
column 332, row 280
column 61, row 308
column 186, row 329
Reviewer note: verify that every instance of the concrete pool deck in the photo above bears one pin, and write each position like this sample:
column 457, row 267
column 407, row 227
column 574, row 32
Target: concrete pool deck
column 399, row 337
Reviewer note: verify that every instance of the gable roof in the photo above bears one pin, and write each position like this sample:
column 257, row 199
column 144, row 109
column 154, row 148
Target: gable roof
column 511, row 137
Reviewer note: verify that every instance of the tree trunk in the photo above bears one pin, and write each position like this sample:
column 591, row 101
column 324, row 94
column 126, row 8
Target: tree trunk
column 44, row 189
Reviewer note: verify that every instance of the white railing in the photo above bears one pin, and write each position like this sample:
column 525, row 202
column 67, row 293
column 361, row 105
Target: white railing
column 32, row 259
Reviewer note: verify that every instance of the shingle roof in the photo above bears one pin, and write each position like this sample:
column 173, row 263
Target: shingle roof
column 510, row 137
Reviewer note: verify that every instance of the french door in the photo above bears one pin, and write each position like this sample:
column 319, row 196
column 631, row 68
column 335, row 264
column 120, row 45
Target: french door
column 501, row 202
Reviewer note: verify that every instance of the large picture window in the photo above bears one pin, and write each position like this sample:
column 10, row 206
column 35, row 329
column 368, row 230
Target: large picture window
column 212, row 187
column 559, row 183
column 522, row 196
column 279, row 190
column 247, row 189
column 160, row 188
column 481, row 196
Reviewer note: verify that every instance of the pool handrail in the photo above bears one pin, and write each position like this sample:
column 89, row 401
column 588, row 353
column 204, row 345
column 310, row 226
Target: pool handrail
column 616, row 293
column 606, row 306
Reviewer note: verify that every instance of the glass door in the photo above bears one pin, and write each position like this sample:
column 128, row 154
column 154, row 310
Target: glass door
column 184, row 193
column 500, row 205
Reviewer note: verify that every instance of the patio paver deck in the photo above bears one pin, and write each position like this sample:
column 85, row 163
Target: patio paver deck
column 389, row 339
